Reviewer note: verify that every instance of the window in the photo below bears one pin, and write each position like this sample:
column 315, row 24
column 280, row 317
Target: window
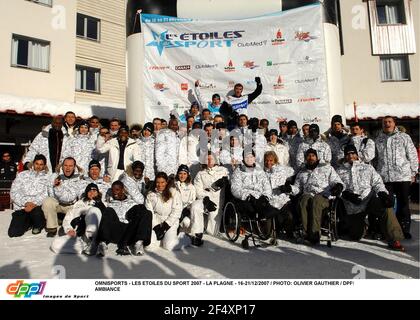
column 45, row 2
column 30, row 53
column 87, row 27
column 88, row 79
column 390, row 12
column 395, row 68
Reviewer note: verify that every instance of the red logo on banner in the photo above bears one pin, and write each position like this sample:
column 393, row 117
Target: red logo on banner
column 304, row 36
column 160, row 86
column 280, row 84
column 279, row 39
column 250, row 64
column 308, row 99
column 184, row 86
column 230, row 67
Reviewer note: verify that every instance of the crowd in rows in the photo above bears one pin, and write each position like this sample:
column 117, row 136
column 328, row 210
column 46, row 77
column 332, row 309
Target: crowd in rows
column 166, row 184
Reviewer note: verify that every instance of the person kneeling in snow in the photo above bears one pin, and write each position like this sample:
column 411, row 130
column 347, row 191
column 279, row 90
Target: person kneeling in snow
column 125, row 223
column 165, row 203
column 81, row 224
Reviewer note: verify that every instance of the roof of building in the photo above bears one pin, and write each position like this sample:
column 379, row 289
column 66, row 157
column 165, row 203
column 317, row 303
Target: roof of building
column 366, row 111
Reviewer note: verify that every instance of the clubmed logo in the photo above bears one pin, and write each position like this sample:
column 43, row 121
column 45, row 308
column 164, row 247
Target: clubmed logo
column 27, row 290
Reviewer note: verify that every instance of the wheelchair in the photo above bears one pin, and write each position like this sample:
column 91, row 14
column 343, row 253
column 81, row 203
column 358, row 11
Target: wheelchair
column 236, row 224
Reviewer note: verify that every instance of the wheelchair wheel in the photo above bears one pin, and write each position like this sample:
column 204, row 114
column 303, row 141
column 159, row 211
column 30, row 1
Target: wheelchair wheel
column 231, row 222
column 333, row 221
column 264, row 227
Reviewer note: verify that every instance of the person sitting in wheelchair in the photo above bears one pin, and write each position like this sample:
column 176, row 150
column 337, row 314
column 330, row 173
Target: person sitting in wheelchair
column 252, row 190
column 316, row 182
column 280, row 177
column 366, row 195
column 210, row 185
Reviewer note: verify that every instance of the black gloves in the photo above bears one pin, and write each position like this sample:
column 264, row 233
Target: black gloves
column 258, row 80
column 264, row 201
column 365, row 141
column 286, row 188
column 100, row 205
column 160, row 230
column 336, row 189
column 352, row 197
column 250, row 198
column 387, row 199
column 209, row 205
column 219, row 184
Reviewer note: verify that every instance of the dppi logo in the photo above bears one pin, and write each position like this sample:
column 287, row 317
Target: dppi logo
column 250, row 64
column 279, row 39
column 27, row 290
column 230, row 67
column 160, row 86
column 193, row 40
column 304, row 36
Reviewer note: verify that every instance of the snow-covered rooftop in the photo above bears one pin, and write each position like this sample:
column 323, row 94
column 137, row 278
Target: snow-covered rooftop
column 379, row 110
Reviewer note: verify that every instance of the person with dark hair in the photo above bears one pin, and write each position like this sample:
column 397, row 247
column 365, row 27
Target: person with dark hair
column 94, row 125
column 49, row 142
column 125, row 223
column 293, row 140
column 81, row 146
column 134, row 181
column 316, row 182
column 135, row 131
column 365, row 195
column 167, row 149
column 264, row 124
column 305, row 131
column 283, row 130
column 278, row 146
column 213, row 106
column 28, row 191
column 232, row 157
column 397, row 164
column 63, row 194
column 69, row 122
column 147, row 151
column 210, row 184
column 8, row 169
column 81, row 224
column 157, row 125
column 337, row 138
column 315, row 142
column 122, row 152
column 94, row 176
column 365, row 147
column 239, row 102
column 165, row 203
column 114, row 127
column 164, row 123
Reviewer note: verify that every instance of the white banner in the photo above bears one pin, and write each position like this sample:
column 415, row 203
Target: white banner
column 286, row 50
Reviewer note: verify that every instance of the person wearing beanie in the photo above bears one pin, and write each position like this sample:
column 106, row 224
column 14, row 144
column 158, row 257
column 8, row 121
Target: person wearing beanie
column 122, row 152
column 29, row 189
column 94, row 176
column 365, row 195
column 133, row 179
column 278, row 146
column 337, row 138
column 147, row 151
column 81, row 224
column 316, row 182
column 313, row 142
column 283, row 129
column 81, row 146
column 294, row 140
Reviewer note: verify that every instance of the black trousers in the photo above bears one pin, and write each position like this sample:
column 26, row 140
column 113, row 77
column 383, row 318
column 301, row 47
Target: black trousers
column 23, row 221
column 112, row 230
column 402, row 192
column 250, row 208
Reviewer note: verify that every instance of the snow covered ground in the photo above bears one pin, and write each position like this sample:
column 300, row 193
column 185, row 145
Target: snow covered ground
column 30, row 257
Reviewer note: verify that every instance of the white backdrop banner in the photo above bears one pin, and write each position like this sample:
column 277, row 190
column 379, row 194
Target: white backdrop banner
column 285, row 49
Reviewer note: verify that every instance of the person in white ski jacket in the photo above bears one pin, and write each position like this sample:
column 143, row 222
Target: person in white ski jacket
column 167, row 149
column 81, row 224
column 189, row 150
column 232, row 157
column 276, row 145
column 147, row 151
column 165, row 204
column 294, row 140
column 65, row 191
column 81, row 146
column 122, row 152
column 49, row 142
column 313, row 142
column 365, row 195
column 134, row 181
column 337, row 139
column 94, row 176
column 397, row 164
column 317, row 182
column 365, row 146
column 29, row 189
column 210, row 184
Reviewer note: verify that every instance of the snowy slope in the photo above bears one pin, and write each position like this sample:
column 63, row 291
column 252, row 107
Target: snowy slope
column 30, row 257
